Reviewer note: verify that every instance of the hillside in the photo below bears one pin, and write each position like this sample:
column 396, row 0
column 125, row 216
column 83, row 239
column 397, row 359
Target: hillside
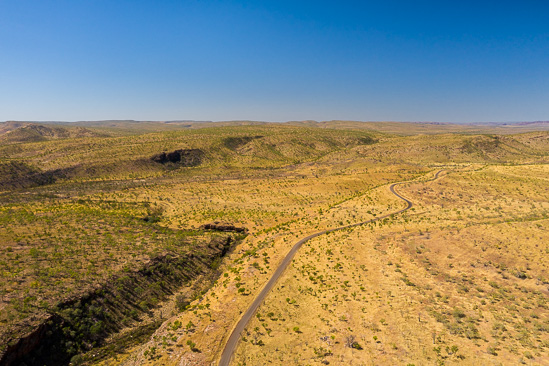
column 17, row 133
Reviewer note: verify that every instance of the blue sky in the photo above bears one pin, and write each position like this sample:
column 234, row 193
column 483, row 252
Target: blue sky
column 459, row 61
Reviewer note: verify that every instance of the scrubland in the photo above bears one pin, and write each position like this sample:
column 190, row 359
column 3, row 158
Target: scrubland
column 460, row 278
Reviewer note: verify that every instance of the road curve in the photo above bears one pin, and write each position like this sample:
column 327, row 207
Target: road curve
column 230, row 346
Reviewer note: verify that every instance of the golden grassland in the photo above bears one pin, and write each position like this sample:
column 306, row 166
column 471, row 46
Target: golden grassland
column 461, row 278
column 209, row 331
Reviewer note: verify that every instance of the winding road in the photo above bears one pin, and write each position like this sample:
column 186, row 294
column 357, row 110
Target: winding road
column 231, row 344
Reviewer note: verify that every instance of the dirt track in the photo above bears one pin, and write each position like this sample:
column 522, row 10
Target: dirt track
column 231, row 344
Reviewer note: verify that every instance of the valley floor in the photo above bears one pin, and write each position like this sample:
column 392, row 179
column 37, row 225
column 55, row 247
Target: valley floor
column 462, row 278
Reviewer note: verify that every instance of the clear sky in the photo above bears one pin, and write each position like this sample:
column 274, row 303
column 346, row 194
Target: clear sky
column 453, row 61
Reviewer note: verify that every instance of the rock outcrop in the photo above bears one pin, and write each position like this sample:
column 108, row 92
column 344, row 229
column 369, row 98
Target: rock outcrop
column 222, row 226
column 183, row 157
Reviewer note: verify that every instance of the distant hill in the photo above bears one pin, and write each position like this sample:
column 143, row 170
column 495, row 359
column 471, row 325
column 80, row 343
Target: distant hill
column 129, row 127
column 133, row 127
column 428, row 128
column 537, row 123
column 11, row 125
column 17, row 132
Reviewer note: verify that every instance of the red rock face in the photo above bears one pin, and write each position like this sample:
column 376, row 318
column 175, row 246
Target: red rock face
column 218, row 226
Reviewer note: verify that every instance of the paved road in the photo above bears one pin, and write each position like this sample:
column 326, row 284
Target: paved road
column 230, row 347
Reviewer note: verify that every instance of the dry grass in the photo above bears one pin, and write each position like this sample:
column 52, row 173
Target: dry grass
column 461, row 281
